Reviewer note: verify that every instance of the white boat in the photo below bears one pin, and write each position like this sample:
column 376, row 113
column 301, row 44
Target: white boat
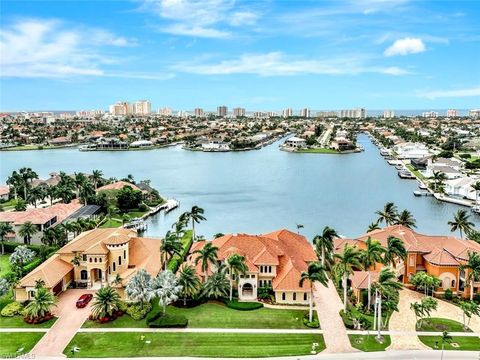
column 476, row 209
column 422, row 186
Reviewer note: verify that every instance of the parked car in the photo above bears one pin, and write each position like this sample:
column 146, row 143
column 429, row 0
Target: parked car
column 84, row 300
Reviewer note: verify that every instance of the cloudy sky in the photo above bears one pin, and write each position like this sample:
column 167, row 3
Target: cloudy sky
column 400, row 54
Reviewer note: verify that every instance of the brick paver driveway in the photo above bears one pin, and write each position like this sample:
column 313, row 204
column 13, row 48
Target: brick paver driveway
column 70, row 319
column 404, row 320
column 328, row 306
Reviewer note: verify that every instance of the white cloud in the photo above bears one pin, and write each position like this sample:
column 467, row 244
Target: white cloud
column 38, row 48
column 405, row 46
column 199, row 18
column 457, row 93
column 278, row 64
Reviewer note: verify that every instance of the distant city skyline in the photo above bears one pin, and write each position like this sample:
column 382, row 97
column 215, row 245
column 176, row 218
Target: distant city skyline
column 378, row 54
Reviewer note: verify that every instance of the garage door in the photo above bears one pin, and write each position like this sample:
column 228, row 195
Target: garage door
column 57, row 289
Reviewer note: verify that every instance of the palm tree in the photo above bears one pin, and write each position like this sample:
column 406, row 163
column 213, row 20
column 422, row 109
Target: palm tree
column 96, row 177
column 189, row 281
column 388, row 214
column 27, row 175
column 138, row 287
column 80, row 179
column 406, row 219
column 206, row 255
column 473, row 267
column 196, row 215
column 446, row 339
column 40, row 305
column 236, row 266
column 117, row 280
column 15, row 182
column 315, row 272
column 51, row 193
column 395, row 249
column 438, row 179
column 373, row 226
column 171, row 246
column 86, row 192
column 216, row 286
column 324, row 243
column 106, row 303
column 36, row 194
column 349, row 259
column 27, row 230
column 461, row 222
column 5, row 229
column 370, row 256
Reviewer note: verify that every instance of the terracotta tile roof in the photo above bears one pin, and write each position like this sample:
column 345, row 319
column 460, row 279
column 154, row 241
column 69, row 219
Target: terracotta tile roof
column 441, row 257
column 4, row 190
column 144, row 253
column 289, row 251
column 51, row 271
column 359, row 279
column 93, row 239
column 41, row 215
column 117, row 186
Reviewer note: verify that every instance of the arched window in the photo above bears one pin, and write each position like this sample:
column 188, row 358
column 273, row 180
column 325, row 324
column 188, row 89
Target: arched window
column 95, row 259
column 119, row 260
column 453, row 283
column 305, row 296
column 114, row 267
column 83, row 275
column 124, row 254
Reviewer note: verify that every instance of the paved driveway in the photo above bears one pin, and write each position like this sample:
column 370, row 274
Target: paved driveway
column 70, row 319
column 328, row 306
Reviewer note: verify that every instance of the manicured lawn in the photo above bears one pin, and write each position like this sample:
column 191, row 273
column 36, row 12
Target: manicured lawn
column 417, row 173
column 17, row 322
column 30, row 147
column 193, row 344
column 369, row 343
column 318, row 151
column 213, row 315
column 4, row 264
column 464, row 342
column 112, row 223
column 440, row 324
column 12, row 342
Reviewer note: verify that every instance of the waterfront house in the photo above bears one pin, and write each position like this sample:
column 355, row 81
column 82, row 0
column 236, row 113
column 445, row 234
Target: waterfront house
column 411, row 150
column 4, row 192
column 461, row 187
column 274, row 260
column 94, row 259
column 117, row 185
column 42, row 218
column 295, row 143
column 440, row 256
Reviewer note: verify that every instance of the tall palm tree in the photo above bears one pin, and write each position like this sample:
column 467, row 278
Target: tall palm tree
column 349, row 259
column 324, row 243
column 473, row 267
column 388, row 214
column 394, row 249
column 406, row 219
column 27, row 230
column 370, row 256
column 315, row 272
column 36, row 194
column 461, row 222
column 41, row 304
column 51, row 193
column 27, row 175
column 189, row 281
column 373, row 226
column 171, row 245
column 80, row 179
column 438, row 179
column 86, row 192
column 15, row 181
column 96, row 177
column 106, row 303
column 216, row 286
column 195, row 215
column 206, row 255
column 236, row 266
column 5, row 229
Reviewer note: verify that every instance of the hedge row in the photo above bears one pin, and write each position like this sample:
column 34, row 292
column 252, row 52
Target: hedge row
column 177, row 260
column 244, row 306
column 156, row 318
column 10, row 247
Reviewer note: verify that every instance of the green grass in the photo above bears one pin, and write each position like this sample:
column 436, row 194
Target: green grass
column 465, row 342
column 440, row 324
column 417, row 173
column 18, row 322
column 369, row 343
column 4, row 265
column 319, row 151
column 213, row 315
column 30, row 147
column 11, row 342
column 193, row 344
column 112, row 223
column 8, row 205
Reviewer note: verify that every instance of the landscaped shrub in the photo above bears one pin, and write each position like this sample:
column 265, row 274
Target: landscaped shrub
column 347, row 320
column 138, row 311
column 476, row 298
column 31, row 266
column 123, row 306
column 244, row 306
column 168, row 321
column 448, row 294
column 314, row 324
column 12, row 309
column 465, row 156
column 142, row 207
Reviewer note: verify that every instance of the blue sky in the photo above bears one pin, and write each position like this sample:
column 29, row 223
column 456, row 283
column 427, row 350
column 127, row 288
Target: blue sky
column 400, row 54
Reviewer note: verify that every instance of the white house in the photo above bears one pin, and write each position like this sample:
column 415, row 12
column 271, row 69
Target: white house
column 215, row 145
column 295, row 143
column 461, row 187
column 411, row 150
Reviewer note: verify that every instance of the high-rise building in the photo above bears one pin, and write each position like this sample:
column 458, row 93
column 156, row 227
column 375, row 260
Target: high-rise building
column 238, row 112
column 166, row 111
column 430, row 114
column 305, row 112
column 142, row 107
column 199, row 112
column 326, row 114
column 388, row 114
column 358, row 113
column 222, row 111
column 121, row 108
column 452, row 113
column 474, row 113
column 287, row 112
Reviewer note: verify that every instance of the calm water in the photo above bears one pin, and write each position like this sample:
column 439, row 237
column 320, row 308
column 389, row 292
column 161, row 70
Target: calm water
column 257, row 191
